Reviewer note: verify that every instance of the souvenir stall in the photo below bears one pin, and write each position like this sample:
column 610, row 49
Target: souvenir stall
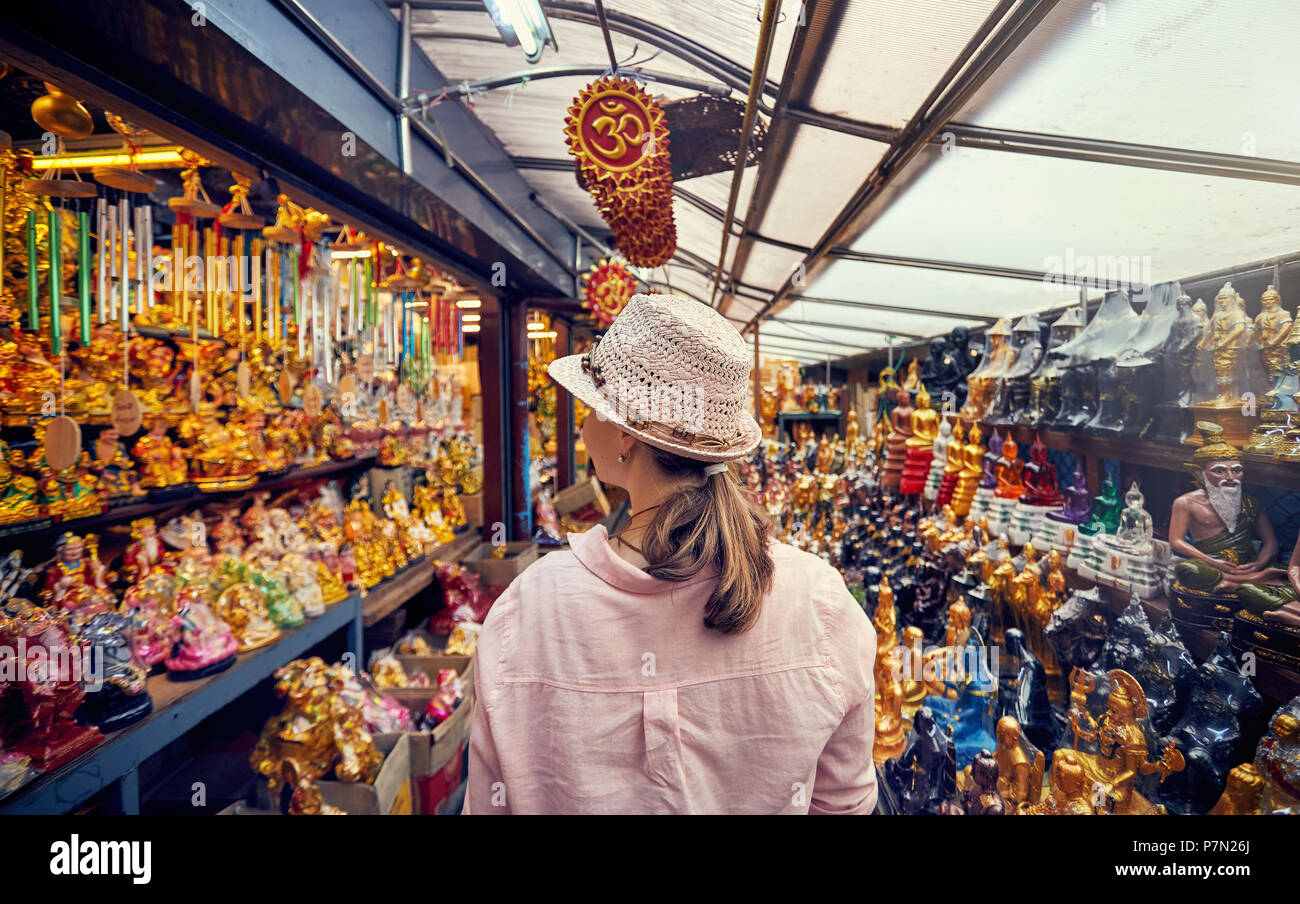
column 236, row 431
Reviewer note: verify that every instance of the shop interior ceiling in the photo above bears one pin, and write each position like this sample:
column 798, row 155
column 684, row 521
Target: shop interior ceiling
column 1151, row 139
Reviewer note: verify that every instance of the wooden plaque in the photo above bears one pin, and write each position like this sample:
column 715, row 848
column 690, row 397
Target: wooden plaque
column 125, row 413
column 62, row 442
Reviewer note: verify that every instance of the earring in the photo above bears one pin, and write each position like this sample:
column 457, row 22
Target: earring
column 622, row 457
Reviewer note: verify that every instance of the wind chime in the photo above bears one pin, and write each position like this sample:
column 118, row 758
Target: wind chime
column 190, row 241
column 237, row 219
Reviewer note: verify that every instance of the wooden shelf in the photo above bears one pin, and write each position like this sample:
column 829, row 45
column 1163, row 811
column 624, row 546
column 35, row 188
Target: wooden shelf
column 403, row 586
column 1260, row 470
column 36, row 529
column 178, row 707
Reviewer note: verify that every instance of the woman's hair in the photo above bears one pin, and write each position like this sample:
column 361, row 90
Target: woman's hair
column 711, row 523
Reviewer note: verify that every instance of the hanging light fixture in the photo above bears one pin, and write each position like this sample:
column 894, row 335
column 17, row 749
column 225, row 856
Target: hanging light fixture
column 522, row 24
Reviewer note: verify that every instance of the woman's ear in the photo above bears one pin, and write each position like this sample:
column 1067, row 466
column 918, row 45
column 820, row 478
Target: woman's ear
column 626, row 443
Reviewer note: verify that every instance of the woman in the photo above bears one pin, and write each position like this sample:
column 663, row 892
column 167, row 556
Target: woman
column 691, row 664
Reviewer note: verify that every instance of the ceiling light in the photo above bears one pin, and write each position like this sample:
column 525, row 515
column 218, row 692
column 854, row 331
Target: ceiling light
column 469, row 303
column 343, row 255
column 469, row 328
column 522, row 24
column 536, row 325
column 469, row 318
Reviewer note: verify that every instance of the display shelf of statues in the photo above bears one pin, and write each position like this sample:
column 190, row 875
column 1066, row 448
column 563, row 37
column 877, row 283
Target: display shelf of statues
column 1094, row 684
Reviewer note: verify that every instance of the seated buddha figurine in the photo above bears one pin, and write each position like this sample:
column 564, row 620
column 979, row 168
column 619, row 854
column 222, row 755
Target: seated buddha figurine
column 1106, row 507
column 1020, row 765
column 968, row 478
column 952, row 467
column 1077, row 505
column 1243, row 794
column 885, row 618
column 920, row 445
column 890, row 728
column 989, row 462
column 896, row 442
column 1041, row 484
column 1135, row 529
column 1215, row 526
column 1008, row 470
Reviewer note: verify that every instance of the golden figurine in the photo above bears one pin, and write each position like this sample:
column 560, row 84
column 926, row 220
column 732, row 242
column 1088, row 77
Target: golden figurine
column 913, row 687
column 1122, row 748
column 319, row 731
column 912, row 381
column 1226, row 337
column 1020, row 780
column 885, row 618
column 17, row 490
column 1244, row 793
column 890, row 728
column 983, row 380
column 968, row 477
column 1068, row 792
column 1272, row 329
column 161, row 462
column 925, row 423
column 243, row 608
column 1277, row 758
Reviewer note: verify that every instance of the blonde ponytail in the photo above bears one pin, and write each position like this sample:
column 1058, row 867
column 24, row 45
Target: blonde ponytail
column 712, row 523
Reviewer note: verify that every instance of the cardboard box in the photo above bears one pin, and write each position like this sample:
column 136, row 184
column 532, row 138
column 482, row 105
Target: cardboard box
column 435, row 755
column 436, row 789
column 500, row 572
column 390, row 795
column 582, row 495
column 473, row 505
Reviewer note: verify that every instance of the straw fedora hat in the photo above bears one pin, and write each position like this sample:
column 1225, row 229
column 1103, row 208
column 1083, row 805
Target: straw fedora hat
column 672, row 372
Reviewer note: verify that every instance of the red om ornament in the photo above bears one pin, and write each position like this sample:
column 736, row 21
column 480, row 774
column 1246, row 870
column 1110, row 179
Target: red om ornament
column 620, row 139
column 608, row 288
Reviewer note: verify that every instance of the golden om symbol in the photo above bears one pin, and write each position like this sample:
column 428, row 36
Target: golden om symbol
column 617, row 129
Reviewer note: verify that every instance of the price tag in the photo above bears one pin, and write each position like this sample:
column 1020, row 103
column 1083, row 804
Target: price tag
column 125, row 413
column 62, row 442
column 243, row 379
column 347, row 386
column 285, row 385
column 312, row 400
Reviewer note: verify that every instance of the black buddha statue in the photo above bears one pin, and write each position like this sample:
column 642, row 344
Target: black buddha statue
column 1022, row 692
column 925, row 775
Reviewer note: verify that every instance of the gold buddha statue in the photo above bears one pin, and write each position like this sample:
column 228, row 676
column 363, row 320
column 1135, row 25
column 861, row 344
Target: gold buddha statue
column 913, row 687
column 969, row 477
column 885, row 618
column 925, row 422
column 890, row 727
column 1272, row 329
column 1068, row 791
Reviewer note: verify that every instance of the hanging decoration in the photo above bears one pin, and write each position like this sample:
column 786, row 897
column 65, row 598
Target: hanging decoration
column 608, row 286
column 620, row 139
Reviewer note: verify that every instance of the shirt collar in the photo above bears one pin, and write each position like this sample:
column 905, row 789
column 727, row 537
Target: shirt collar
column 594, row 551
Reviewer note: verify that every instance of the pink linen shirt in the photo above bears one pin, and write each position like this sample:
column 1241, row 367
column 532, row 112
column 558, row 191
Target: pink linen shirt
column 601, row 691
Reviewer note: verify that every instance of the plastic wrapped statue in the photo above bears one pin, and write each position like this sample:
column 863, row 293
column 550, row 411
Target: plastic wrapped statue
column 1221, row 707
column 1125, row 401
column 1112, row 325
column 926, row 774
column 1045, row 382
column 1011, row 397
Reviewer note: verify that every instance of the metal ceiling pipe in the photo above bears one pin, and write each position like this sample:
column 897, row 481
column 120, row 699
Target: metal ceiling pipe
column 997, row 37
column 771, row 8
column 894, row 309
column 313, row 26
column 532, row 75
